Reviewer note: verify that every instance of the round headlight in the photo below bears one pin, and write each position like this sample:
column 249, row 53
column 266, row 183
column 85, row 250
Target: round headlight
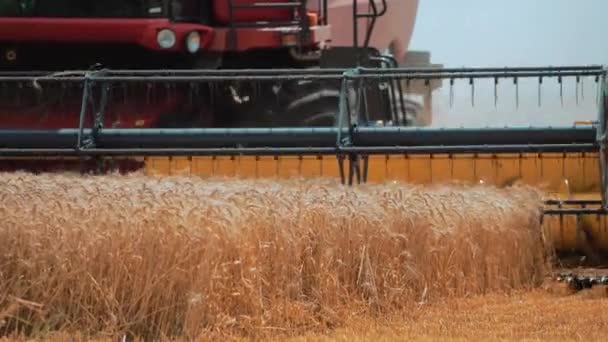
column 166, row 39
column 193, row 41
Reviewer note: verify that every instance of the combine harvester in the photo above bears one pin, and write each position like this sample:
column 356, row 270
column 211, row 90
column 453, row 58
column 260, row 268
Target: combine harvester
column 275, row 89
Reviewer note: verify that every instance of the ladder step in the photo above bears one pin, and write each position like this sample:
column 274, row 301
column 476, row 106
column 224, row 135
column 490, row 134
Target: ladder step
column 268, row 5
column 267, row 24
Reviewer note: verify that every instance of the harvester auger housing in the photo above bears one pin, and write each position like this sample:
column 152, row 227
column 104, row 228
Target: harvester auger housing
column 357, row 149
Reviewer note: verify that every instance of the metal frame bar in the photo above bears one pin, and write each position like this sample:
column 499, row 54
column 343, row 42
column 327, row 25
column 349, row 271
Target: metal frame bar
column 602, row 138
column 583, row 211
column 349, row 142
column 293, row 151
column 379, row 137
column 582, row 204
column 204, row 75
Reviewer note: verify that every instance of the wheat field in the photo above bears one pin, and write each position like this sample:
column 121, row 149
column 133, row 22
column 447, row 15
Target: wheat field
column 184, row 257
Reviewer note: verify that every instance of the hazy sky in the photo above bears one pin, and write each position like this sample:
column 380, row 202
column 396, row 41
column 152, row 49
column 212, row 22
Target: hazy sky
column 513, row 33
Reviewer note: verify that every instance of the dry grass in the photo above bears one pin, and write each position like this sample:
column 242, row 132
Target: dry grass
column 186, row 257
column 524, row 315
column 531, row 315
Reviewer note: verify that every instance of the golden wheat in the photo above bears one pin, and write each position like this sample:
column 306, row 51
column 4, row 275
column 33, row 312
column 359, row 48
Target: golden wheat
column 188, row 257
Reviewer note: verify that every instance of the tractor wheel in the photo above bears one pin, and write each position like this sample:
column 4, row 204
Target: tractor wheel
column 416, row 114
column 312, row 104
column 319, row 108
column 297, row 104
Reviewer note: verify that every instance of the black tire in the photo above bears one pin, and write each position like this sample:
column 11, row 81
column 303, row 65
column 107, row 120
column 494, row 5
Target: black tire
column 414, row 111
column 312, row 104
column 297, row 104
column 316, row 109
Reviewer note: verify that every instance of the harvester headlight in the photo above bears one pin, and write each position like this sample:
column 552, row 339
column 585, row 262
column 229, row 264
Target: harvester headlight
column 166, row 38
column 193, row 41
column 11, row 55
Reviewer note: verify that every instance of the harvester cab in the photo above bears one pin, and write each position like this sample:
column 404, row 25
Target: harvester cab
column 149, row 36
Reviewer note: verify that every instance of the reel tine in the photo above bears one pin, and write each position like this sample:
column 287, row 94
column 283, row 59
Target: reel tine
column 540, row 85
column 64, row 90
column 125, row 94
column 451, row 92
column 196, row 90
column 19, row 92
column 212, row 90
column 191, row 93
column 109, row 102
column 148, row 92
column 472, row 83
column 583, row 89
column 168, row 90
column 428, row 84
column 597, row 89
column 561, row 90
column 516, row 92
column 495, row 92
column 37, row 95
column 407, row 90
column 578, row 81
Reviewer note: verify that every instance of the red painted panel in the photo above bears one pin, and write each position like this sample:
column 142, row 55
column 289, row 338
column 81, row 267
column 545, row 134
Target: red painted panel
column 78, row 30
column 222, row 13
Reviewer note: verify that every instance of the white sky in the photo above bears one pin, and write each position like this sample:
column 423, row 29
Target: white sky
column 513, row 33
